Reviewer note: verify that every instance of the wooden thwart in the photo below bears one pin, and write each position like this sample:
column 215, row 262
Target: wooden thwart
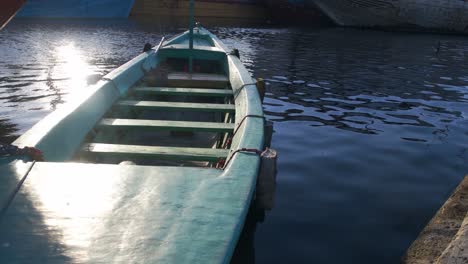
column 183, row 79
column 167, row 153
column 167, row 125
column 175, row 106
column 184, row 91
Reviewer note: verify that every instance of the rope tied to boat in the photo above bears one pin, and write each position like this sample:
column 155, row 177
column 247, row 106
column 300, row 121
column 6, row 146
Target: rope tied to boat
column 229, row 140
column 238, row 91
column 223, row 163
column 11, row 150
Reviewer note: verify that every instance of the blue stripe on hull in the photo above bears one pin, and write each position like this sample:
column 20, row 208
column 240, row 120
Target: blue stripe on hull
column 76, row 8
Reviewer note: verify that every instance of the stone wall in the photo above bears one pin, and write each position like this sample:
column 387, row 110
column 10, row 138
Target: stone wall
column 445, row 238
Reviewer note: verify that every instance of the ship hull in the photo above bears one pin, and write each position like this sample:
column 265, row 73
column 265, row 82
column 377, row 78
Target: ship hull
column 295, row 12
column 212, row 12
column 451, row 15
column 77, row 8
column 8, row 10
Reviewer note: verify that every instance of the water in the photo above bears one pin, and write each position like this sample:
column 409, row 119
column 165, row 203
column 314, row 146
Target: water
column 371, row 127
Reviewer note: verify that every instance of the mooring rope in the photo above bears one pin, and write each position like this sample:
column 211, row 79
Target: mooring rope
column 229, row 140
column 238, row 91
column 224, row 163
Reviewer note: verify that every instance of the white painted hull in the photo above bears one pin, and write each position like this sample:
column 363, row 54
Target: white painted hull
column 447, row 15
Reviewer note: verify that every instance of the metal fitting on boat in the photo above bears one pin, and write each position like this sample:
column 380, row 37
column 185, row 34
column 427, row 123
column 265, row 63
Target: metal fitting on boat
column 147, row 47
column 235, row 52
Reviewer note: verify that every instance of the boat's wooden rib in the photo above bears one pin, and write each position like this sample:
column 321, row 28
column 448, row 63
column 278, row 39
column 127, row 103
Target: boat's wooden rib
column 183, row 79
column 176, row 106
column 166, row 125
column 166, row 153
column 183, row 91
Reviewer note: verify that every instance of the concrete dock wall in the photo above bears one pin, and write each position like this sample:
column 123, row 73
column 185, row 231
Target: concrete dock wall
column 445, row 239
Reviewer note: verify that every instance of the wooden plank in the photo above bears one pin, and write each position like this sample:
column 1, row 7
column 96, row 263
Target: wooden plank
column 167, row 125
column 197, row 77
column 168, row 153
column 184, row 91
column 175, row 106
column 183, row 79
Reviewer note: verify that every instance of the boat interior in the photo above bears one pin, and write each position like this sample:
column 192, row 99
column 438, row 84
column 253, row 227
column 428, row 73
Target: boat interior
column 94, row 190
column 179, row 114
column 173, row 105
column 178, row 117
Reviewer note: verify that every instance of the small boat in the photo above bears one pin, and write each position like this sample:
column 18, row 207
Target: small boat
column 156, row 163
column 450, row 15
column 8, row 9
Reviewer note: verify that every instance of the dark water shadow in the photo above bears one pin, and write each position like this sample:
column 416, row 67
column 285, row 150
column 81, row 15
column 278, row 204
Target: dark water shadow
column 7, row 131
column 245, row 249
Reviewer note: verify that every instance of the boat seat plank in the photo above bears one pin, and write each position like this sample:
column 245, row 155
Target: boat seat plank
column 167, row 125
column 183, row 79
column 167, row 153
column 184, row 91
column 176, row 106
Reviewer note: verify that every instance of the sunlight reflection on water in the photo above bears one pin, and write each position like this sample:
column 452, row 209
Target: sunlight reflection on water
column 73, row 66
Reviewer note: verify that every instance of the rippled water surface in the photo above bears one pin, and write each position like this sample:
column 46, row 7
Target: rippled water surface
column 371, row 127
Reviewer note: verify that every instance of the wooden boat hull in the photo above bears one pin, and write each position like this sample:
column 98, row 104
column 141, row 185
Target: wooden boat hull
column 8, row 9
column 89, row 212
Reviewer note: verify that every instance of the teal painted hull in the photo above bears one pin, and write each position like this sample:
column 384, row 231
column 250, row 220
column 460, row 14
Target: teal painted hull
column 61, row 210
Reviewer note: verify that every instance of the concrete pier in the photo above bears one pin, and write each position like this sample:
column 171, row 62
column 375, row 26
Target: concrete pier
column 445, row 239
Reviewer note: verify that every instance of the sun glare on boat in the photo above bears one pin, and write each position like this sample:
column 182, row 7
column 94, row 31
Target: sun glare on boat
column 73, row 206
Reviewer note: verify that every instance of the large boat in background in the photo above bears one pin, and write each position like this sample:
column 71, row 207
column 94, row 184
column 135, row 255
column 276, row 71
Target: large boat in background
column 441, row 15
column 295, row 12
column 76, row 8
column 211, row 12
